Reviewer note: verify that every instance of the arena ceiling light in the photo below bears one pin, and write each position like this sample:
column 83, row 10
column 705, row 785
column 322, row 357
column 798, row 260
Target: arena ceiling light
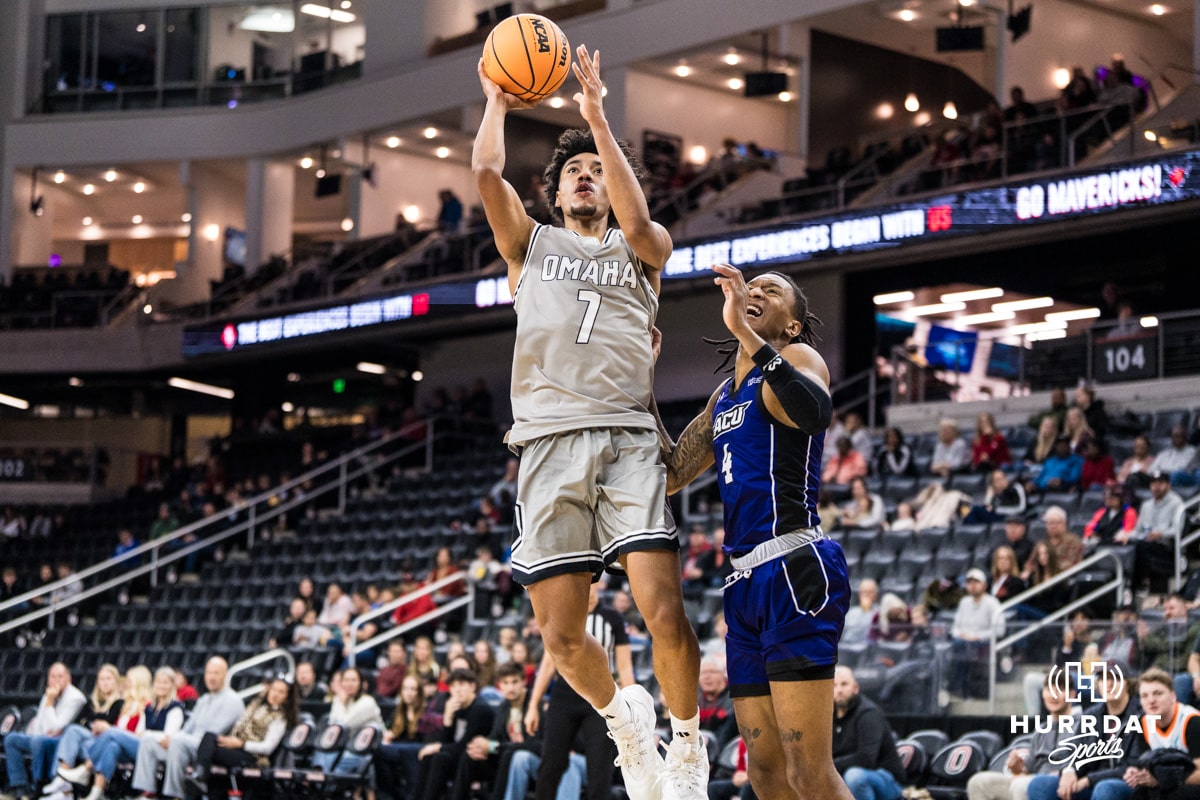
column 202, row 388
column 13, row 402
column 1024, row 305
column 972, row 294
column 370, row 368
column 985, row 318
column 1030, row 327
column 269, row 20
column 323, row 12
column 1072, row 315
column 1041, row 336
column 892, row 297
column 933, row 308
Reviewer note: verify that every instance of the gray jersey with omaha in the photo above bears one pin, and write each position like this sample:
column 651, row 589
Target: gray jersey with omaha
column 584, row 314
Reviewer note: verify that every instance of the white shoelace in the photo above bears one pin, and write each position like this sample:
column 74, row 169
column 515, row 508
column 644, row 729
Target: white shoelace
column 686, row 766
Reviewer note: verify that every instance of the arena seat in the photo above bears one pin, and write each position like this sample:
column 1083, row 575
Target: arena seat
column 952, row 767
column 914, row 759
column 931, row 739
column 990, row 741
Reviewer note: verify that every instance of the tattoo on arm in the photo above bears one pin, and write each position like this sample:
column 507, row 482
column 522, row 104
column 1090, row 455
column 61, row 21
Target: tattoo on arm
column 791, row 737
column 691, row 455
column 749, row 734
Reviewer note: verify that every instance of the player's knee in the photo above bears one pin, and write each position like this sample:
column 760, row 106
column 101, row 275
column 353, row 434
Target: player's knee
column 668, row 625
column 564, row 645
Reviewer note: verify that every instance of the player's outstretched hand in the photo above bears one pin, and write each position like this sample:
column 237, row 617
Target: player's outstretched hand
column 494, row 93
column 591, row 95
column 737, row 296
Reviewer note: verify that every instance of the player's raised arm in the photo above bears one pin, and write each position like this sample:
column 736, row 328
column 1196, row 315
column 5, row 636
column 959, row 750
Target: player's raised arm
column 649, row 240
column 506, row 215
column 795, row 388
column 693, row 453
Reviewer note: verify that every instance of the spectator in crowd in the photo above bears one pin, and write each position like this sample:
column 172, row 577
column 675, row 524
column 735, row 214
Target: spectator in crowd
column 444, row 567
column 846, row 464
column 103, row 710
column 215, row 712
column 484, row 760
column 450, row 215
column 1169, row 647
column 950, row 454
column 307, row 591
column 1019, row 771
column 1057, row 410
column 165, row 523
column 828, row 510
column 858, row 618
column 252, row 741
column 396, row 761
column 1115, row 518
column 1097, row 466
column 1079, row 93
column 1006, row 574
column 485, row 668
column 1042, row 445
column 309, row 633
column 389, row 679
column 892, row 622
column 286, row 635
column 338, row 608
column 694, row 561
column 906, row 518
column 126, row 543
column 1067, row 547
column 1160, row 523
column 60, row 705
column 860, row 437
column 162, row 716
column 10, row 585
column 184, row 691
column 524, row 659
column 424, row 665
column 1181, row 733
column 308, row 688
column 1102, row 778
column 622, row 603
column 1062, row 470
column 464, row 717
column 12, row 525
column 864, row 747
column 989, row 448
column 865, row 508
column 507, row 483
column 895, row 458
column 976, row 619
column 1135, row 470
column 1004, row 498
column 1016, row 536
column 1021, row 109
column 353, row 706
column 1041, row 567
column 1093, row 410
column 1077, row 430
column 1178, row 459
column 64, row 593
column 352, row 638
column 716, row 706
column 1120, row 641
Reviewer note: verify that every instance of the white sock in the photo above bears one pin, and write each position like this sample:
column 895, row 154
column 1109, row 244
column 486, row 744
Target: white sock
column 686, row 729
column 616, row 713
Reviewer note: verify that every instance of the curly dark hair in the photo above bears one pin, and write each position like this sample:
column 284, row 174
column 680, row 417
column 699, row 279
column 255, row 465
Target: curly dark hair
column 573, row 142
column 808, row 322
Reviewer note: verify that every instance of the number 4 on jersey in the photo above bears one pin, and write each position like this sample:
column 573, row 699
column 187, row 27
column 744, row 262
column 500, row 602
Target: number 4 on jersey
column 727, row 465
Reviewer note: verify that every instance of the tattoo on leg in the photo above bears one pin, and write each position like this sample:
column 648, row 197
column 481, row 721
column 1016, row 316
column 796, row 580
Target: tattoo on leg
column 792, row 736
column 749, row 734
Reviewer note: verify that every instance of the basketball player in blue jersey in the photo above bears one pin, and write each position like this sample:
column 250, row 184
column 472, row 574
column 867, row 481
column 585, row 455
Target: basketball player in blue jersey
column 787, row 598
column 591, row 492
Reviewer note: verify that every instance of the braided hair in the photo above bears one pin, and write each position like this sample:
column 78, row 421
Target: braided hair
column 573, row 142
column 807, row 335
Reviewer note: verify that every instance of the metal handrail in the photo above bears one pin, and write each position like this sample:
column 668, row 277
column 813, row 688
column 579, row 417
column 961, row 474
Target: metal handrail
column 341, row 464
column 387, row 608
column 467, row 600
column 254, row 661
column 1117, row 584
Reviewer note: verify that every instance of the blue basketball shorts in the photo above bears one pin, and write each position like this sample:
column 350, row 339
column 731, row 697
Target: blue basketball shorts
column 785, row 618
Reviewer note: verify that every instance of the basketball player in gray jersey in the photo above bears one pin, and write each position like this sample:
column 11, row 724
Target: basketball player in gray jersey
column 591, row 492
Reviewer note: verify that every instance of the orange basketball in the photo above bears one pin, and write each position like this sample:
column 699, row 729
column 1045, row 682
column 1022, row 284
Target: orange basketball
column 527, row 55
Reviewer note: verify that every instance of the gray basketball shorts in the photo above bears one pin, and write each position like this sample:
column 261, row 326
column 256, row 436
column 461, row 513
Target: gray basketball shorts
column 585, row 497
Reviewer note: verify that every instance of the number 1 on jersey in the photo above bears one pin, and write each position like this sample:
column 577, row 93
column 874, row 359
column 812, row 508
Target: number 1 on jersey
column 593, row 300
column 727, row 465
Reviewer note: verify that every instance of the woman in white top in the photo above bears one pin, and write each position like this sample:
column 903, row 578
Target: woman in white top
column 864, row 509
column 353, row 706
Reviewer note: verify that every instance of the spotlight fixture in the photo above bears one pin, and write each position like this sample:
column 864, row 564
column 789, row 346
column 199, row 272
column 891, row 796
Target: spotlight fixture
column 911, row 104
column 393, row 142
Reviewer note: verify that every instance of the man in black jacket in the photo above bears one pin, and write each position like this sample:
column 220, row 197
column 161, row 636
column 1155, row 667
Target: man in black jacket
column 488, row 756
column 464, row 718
column 864, row 747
